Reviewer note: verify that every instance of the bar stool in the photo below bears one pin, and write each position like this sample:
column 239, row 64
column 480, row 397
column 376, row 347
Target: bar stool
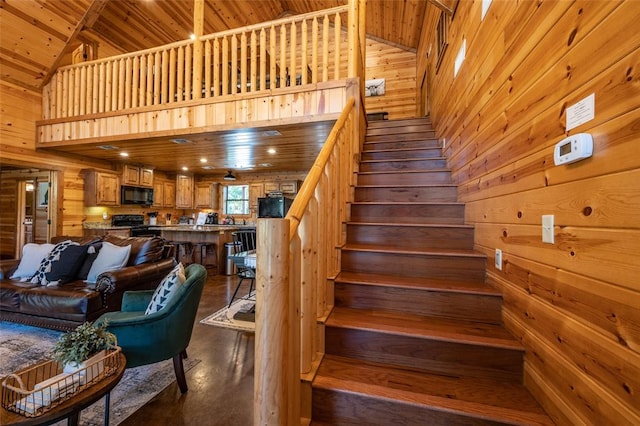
column 184, row 250
column 204, row 248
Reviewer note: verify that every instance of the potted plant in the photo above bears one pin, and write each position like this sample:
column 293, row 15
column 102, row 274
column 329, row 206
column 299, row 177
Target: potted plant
column 75, row 348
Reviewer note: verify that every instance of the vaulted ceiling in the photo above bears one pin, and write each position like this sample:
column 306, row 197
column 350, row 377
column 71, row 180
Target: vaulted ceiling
column 38, row 36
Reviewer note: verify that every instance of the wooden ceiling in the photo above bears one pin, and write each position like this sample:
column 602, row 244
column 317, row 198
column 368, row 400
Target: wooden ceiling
column 38, row 36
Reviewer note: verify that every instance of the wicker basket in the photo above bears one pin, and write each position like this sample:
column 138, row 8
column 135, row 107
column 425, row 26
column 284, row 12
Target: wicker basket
column 35, row 390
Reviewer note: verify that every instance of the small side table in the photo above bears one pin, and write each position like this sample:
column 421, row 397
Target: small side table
column 71, row 408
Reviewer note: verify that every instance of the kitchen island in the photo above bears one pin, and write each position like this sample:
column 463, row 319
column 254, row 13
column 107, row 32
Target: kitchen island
column 201, row 234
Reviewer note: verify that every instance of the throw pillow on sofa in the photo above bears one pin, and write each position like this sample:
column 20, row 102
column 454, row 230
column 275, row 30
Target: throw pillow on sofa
column 32, row 255
column 110, row 258
column 61, row 265
column 166, row 289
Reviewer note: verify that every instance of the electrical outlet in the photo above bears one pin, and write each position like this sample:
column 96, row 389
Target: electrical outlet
column 498, row 259
column 547, row 229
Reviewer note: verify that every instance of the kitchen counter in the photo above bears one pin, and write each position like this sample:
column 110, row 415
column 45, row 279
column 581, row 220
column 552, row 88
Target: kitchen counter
column 199, row 228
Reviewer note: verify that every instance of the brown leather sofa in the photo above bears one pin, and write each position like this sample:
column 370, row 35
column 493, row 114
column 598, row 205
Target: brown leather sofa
column 68, row 305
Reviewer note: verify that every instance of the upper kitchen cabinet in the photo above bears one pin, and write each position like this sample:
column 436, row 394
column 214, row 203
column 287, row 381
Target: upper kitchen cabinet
column 184, row 192
column 206, row 195
column 256, row 190
column 101, row 188
column 286, row 187
column 137, row 176
column 164, row 193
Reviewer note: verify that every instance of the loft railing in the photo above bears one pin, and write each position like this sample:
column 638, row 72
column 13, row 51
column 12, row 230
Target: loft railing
column 298, row 50
column 298, row 260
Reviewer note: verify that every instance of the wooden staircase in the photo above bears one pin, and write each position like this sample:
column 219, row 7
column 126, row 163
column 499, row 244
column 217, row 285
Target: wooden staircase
column 415, row 336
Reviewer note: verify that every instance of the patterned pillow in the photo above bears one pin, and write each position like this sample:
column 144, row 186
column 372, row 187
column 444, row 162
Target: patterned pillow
column 60, row 265
column 166, row 289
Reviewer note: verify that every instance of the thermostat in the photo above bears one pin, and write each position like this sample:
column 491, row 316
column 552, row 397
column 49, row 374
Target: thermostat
column 574, row 148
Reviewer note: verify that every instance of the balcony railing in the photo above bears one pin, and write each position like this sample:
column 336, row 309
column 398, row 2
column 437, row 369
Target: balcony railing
column 299, row 50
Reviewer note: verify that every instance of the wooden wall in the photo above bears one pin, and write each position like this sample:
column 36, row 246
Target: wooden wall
column 574, row 304
column 398, row 67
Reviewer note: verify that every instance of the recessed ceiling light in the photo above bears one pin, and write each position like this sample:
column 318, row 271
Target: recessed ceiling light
column 108, row 147
column 271, row 133
column 203, row 160
column 192, row 36
column 185, row 168
column 124, row 154
column 208, row 167
column 180, row 141
column 272, row 151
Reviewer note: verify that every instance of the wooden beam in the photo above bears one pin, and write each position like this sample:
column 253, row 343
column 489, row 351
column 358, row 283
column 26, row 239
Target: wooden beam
column 88, row 19
column 447, row 6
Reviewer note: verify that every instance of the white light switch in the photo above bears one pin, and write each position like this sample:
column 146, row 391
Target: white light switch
column 547, row 229
column 498, row 260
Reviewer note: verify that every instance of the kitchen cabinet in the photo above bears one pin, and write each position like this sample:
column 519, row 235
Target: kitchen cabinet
column 184, row 192
column 137, row 176
column 164, row 194
column 271, row 187
column 286, row 187
column 101, row 188
column 206, row 195
column 256, row 190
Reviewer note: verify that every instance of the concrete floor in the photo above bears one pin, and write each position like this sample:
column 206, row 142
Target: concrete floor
column 221, row 384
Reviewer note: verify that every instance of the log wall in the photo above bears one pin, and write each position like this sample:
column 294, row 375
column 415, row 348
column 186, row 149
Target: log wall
column 574, row 304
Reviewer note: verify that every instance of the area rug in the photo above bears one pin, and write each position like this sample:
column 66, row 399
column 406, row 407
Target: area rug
column 236, row 317
column 21, row 346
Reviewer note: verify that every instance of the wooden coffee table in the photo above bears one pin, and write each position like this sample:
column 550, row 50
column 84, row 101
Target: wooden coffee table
column 71, row 408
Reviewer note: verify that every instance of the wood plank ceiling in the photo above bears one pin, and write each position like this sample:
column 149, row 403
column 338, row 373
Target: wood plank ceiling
column 37, row 36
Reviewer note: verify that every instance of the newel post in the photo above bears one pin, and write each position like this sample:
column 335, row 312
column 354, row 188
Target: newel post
column 274, row 352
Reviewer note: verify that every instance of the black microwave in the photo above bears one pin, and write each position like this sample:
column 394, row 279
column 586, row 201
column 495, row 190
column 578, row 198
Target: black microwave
column 136, row 195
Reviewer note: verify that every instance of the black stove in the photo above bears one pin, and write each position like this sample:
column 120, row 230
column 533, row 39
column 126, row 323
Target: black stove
column 136, row 222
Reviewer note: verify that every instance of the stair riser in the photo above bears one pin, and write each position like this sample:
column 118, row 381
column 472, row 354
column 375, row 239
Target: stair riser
column 400, row 165
column 407, row 213
column 375, row 145
column 423, row 130
column 407, row 194
column 424, row 354
column 420, row 121
column 462, row 306
column 396, row 155
column 409, row 237
column 414, row 265
column 418, row 178
column 346, row 408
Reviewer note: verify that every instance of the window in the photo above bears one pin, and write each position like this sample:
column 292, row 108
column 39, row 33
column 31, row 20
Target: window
column 442, row 31
column 236, row 199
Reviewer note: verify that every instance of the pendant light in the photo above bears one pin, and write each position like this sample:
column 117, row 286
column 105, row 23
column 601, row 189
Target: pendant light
column 229, row 176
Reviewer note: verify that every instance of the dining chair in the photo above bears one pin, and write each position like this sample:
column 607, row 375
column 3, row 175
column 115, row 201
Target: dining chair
column 244, row 240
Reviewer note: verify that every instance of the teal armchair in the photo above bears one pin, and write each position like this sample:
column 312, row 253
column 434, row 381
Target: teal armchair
column 147, row 339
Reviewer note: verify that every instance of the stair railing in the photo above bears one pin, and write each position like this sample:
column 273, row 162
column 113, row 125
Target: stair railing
column 298, row 259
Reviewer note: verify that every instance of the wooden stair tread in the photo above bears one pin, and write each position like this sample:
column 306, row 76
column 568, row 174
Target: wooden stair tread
column 417, row 225
column 479, row 398
column 386, row 160
column 432, row 284
column 410, row 203
column 414, row 185
column 435, row 328
column 405, row 171
column 402, row 149
column 423, row 251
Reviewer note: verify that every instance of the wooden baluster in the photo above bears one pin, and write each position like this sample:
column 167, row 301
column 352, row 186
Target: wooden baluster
column 314, row 50
column 293, row 58
column 95, row 88
column 74, row 90
column 172, row 77
column 243, row 63
column 198, row 27
column 108, row 87
column 337, row 27
column 128, row 83
column 308, row 315
column 226, row 69
column 65, row 94
column 283, row 56
column 304, row 53
column 83, row 91
column 144, row 78
column 325, row 48
column 135, row 81
column 234, row 65
column 114, row 86
column 102, row 87
column 121, row 83
column 179, row 95
column 216, row 67
column 253, row 72
column 272, row 58
column 263, row 59
column 59, row 88
column 160, row 87
column 188, row 74
column 207, row 69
